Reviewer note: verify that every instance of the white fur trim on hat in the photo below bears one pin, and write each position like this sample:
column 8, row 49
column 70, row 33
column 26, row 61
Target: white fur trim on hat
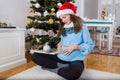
column 65, row 11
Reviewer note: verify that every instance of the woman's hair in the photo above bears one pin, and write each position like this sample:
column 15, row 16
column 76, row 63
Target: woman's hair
column 77, row 24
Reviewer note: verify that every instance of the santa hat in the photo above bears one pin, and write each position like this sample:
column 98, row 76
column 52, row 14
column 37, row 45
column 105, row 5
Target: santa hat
column 66, row 8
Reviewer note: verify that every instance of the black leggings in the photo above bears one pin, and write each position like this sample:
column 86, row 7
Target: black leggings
column 72, row 72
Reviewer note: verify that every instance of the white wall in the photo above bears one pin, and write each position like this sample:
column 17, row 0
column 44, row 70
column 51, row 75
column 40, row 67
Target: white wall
column 80, row 7
column 91, row 9
column 117, row 13
column 14, row 12
column 87, row 8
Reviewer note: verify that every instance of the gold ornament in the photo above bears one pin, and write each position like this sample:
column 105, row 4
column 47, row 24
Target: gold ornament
column 31, row 10
column 52, row 10
column 29, row 21
column 50, row 21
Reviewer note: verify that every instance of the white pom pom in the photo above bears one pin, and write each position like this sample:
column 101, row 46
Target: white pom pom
column 59, row 4
column 37, row 5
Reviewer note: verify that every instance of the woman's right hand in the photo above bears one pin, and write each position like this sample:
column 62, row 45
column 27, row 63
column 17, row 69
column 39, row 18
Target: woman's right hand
column 59, row 49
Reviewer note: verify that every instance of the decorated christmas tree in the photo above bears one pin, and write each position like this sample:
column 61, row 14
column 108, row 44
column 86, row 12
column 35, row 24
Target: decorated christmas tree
column 42, row 24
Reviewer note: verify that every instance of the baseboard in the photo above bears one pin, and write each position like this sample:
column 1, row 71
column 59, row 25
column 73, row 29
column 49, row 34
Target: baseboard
column 12, row 65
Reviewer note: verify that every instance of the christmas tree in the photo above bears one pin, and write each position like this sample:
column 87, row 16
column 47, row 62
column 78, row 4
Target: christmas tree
column 43, row 24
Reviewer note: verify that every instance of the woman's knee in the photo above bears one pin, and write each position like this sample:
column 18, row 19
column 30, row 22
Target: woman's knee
column 68, row 73
column 72, row 72
column 77, row 66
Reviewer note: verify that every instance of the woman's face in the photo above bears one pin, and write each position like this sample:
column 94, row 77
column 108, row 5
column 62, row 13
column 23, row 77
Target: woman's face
column 65, row 18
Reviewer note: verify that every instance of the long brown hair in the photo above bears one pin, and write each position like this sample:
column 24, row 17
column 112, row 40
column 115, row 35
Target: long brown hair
column 77, row 24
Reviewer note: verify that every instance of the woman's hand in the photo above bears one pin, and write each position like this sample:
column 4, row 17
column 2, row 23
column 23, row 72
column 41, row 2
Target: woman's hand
column 71, row 48
column 59, row 50
column 68, row 50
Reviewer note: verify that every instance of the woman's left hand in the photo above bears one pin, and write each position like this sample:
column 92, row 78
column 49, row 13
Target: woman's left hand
column 69, row 49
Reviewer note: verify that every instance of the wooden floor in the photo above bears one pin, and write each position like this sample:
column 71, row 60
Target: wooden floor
column 11, row 72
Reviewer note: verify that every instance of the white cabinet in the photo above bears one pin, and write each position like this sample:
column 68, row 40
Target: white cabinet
column 12, row 48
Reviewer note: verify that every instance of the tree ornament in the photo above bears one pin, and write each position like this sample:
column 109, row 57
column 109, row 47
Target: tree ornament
column 52, row 13
column 51, row 33
column 37, row 5
column 32, row 29
column 29, row 21
column 50, row 21
column 59, row 4
column 31, row 10
column 52, row 10
column 45, row 13
column 46, row 47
